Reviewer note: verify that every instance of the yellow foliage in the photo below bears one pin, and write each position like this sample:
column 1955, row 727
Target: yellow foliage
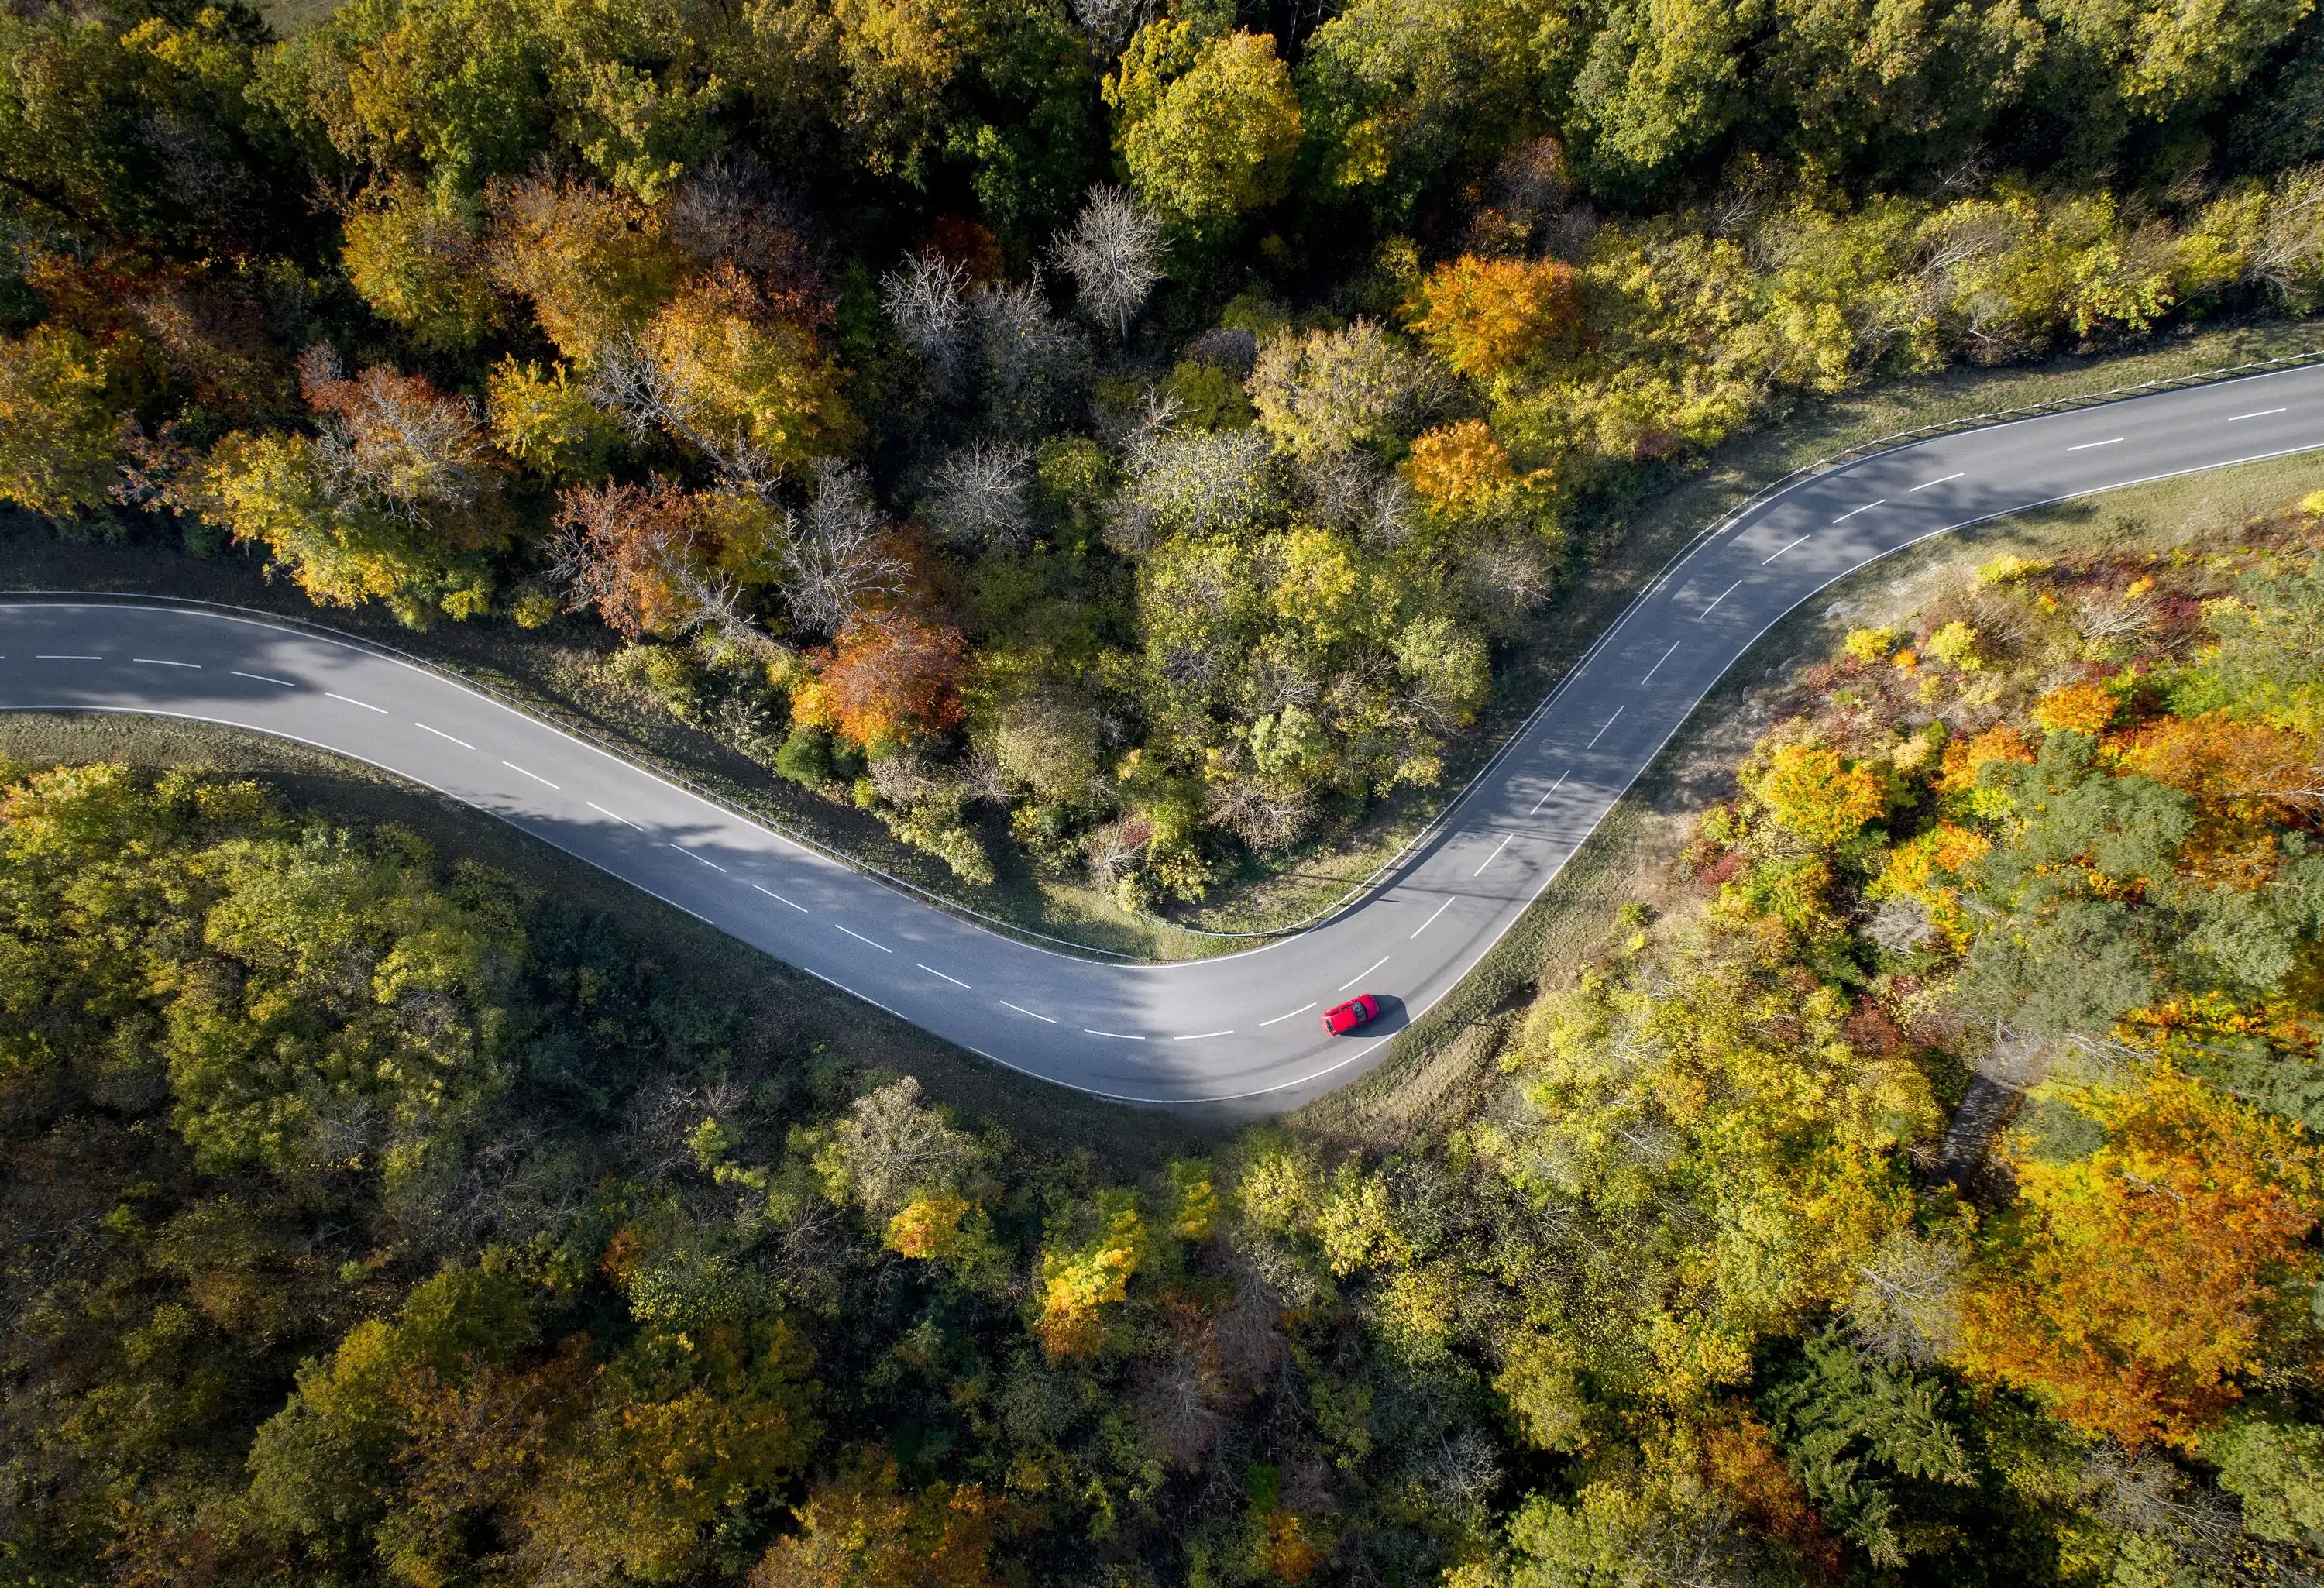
column 1955, row 645
column 928, row 1226
column 1077, row 1282
column 1869, row 645
column 1196, row 1217
column 1818, row 794
column 57, row 430
column 735, row 367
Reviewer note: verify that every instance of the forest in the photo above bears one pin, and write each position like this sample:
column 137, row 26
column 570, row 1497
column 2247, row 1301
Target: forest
column 1139, row 434
column 369, row 1219
column 1129, row 436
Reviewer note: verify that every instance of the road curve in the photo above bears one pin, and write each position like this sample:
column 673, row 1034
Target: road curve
column 1242, row 1028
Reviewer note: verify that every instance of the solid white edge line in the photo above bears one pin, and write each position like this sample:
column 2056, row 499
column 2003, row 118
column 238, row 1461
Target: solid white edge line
column 263, row 679
column 2109, row 441
column 463, row 744
column 1924, row 485
column 1658, row 666
column 860, row 938
column 1802, row 540
column 1367, row 971
column 1553, row 787
column 690, row 853
column 1867, row 507
column 1495, row 855
column 1439, row 911
column 778, row 898
column 1117, row 1036
column 1602, row 731
column 1279, row 1019
column 592, row 804
column 955, row 981
column 537, row 778
column 1715, row 600
column 158, row 661
column 366, row 704
column 1045, row 1019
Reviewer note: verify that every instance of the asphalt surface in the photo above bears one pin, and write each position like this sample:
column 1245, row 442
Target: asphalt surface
column 1242, row 1028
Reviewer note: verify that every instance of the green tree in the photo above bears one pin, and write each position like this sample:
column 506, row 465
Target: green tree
column 1208, row 144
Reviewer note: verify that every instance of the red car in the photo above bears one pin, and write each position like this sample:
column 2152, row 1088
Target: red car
column 1356, row 1012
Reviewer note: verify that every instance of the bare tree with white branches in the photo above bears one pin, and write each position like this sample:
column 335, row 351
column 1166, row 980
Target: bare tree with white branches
column 834, row 557
column 927, row 298
column 645, row 392
column 1114, row 255
column 978, row 496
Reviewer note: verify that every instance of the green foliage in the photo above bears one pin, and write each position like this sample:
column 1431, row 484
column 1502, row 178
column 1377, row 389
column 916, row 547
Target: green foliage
column 1208, row 136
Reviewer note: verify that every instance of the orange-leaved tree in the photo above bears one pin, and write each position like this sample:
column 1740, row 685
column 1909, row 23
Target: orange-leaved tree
column 2131, row 1289
column 891, row 677
column 1481, row 315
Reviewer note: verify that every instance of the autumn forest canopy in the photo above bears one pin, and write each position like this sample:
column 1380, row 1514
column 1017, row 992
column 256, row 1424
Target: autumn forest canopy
column 1128, row 441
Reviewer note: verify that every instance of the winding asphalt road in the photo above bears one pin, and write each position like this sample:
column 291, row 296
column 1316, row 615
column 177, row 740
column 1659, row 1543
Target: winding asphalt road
column 1243, row 1028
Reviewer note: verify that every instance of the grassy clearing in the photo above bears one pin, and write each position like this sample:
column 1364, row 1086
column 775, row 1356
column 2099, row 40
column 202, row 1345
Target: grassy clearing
column 1443, row 1066
column 1619, row 547
column 788, row 1011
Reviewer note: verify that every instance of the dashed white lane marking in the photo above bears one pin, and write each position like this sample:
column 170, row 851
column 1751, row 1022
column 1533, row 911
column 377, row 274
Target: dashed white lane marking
column 1715, row 600
column 1495, row 855
column 1431, row 919
column 1553, row 787
column 1601, row 732
column 1198, row 1036
column 1939, row 480
column 955, row 981
column 366, row 704
column 2260, row 413
column 262, row 678
column 1658, row 666
column 690, row 853
column 1867, row 507
column 1367, row 971
column 1117, row 1036
column 537, row 778
column 45, row 657
column 160, row 661
column 1800, row 541
column 778, row 898
column 2086, row 446
column 463, row 743
column 1045, row 1019
column 860, row 938
column 592, row 804
column 1279, row 1019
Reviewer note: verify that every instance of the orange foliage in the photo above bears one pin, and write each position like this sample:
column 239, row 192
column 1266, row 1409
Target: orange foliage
column 625, row 548
column 2215, row 757
column 1483, row 315
column 1916, row 866
column 1454, row 466
column 891, row 677
column 2078, row 708
column 1965, row 758
column 1290, row 1556
column 1817, row 794
column 2131, row 1289
column 858, row 1531
column 1741, row 1461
